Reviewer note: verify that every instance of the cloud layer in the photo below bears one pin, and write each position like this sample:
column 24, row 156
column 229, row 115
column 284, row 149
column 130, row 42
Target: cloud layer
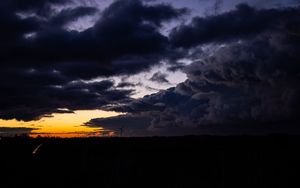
column 245, row 65
column 243, row 22
column 248, row 85
column 16, row 131
column 42, row 63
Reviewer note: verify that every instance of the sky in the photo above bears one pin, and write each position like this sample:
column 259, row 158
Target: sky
column 79, row 68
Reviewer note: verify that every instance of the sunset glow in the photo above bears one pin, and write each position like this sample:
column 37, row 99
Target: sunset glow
column 63, row 125
column 161, row 68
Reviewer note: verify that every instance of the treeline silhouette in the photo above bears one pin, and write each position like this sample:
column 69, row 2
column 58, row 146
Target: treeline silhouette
column 192, row 161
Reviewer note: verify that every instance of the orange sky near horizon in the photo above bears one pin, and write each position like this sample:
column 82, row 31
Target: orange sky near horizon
column 63, row 125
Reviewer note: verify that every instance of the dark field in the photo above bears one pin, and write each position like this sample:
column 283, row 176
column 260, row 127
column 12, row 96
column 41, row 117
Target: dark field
column 205, row 161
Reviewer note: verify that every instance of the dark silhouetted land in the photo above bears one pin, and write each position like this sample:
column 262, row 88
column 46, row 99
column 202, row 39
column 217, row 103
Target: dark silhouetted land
column 205, row 161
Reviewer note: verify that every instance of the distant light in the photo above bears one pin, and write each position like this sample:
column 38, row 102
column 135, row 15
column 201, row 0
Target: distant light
column 37, row 149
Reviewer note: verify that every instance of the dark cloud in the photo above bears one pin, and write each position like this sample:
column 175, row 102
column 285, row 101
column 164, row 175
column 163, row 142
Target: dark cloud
column 38, row 99
column 7, row 131
column 137, row 123
column 70, row 15
column 44, row 67
column 159, row 77
column 244, row 87
column 42, row 64
column 30, row 5
column 137, row 11
column 12, row 27
column 127, row 34
column 243, row 22
column 125, row 84
column 176, row 66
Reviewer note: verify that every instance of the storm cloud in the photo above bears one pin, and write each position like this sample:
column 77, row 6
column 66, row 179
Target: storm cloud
column 248, row 86
column 43, row 64
column 126, row 33
column 243, row 22
column 243, row 65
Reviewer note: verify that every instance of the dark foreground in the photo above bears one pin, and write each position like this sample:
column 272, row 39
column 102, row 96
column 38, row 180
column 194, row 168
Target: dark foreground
column 205, row 161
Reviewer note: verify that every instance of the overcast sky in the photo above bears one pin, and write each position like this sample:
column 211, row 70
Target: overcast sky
column 169, row 67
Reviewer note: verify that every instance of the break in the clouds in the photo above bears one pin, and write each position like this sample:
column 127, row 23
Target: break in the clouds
column 242, row 62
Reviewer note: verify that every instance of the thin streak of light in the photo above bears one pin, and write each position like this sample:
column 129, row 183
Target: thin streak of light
column 37, row 149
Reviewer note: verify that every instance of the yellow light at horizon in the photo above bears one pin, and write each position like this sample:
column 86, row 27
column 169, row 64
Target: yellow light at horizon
column 62, row 124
